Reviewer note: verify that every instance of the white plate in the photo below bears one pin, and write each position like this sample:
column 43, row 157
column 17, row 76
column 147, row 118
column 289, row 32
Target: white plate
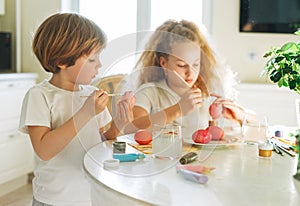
column 227, row 140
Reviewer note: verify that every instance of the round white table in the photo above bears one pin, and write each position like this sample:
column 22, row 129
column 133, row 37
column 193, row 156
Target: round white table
column 240, row 178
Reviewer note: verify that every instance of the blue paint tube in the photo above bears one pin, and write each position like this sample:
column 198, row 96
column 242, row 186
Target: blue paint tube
column 193, row 176
column 131, row 157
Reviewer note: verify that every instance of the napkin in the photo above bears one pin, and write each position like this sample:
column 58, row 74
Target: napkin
column 195, row 168
column 147, row 148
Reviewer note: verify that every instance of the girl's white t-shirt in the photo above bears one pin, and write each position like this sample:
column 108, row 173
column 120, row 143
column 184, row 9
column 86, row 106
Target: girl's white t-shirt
column 61, row 180
column 156, row 96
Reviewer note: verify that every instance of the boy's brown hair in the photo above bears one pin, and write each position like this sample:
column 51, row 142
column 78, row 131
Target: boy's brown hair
column 64, row 37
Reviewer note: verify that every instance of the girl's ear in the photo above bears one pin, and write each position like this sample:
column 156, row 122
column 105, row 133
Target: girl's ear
column 162, row 62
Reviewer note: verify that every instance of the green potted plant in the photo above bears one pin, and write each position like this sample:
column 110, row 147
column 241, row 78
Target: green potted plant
column 283, row 68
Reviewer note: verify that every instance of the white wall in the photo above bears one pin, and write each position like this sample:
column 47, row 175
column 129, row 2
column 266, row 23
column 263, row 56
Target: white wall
column 33, row 12
column 278, row 104
column 236, row 47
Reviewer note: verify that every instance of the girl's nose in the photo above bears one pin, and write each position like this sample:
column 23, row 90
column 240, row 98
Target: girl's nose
column 189, row 70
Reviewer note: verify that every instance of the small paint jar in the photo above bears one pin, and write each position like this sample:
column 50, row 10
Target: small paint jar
column 265, row 150
column 119, row 147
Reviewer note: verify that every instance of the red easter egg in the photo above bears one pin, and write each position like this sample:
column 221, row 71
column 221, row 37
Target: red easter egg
column 216, row 132
column 143, row 137
column 215, row 110
column 201, row 136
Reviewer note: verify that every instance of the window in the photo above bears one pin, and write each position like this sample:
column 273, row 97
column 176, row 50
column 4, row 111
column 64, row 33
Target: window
column 121, row 20
column 178, row 9
column 111, row 15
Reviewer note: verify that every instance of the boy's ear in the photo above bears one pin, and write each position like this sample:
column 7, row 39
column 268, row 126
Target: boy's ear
column 62, row 66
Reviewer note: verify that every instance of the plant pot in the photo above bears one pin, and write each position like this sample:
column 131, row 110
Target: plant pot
column 296, row 181
column 297, row 174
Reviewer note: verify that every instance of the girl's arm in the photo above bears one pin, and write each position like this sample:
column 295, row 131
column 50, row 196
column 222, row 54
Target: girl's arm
column 143, row 120
column 47, row 143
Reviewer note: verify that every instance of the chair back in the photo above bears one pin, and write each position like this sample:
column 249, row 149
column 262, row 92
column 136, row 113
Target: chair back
column 112, row 84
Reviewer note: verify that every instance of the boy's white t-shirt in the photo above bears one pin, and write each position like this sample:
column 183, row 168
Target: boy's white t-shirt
column 156, row 96
column 61, row 180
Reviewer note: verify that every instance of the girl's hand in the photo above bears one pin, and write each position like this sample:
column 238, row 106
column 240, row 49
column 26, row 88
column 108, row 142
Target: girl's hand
column 190, row 100
column 95, row 103
column 231, row 110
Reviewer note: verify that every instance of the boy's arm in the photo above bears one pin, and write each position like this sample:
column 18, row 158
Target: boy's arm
column 111, row 133
column 47, row 143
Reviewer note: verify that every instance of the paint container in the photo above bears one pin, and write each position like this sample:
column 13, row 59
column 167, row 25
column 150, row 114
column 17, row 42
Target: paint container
column 265, row 149
column 119, row 147
column 188, row 158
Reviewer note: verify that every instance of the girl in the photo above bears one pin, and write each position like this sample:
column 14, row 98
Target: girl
column 179, row 78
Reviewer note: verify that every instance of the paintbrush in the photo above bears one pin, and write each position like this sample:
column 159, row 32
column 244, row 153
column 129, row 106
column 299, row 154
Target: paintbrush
column 110, row 95
column 285, row 150
column 278, row 151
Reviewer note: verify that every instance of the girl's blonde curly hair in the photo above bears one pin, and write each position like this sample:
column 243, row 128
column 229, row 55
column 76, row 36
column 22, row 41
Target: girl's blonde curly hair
column 160, row 44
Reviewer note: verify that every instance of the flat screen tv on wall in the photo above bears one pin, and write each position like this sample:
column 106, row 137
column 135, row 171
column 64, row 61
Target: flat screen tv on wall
column 269, row 16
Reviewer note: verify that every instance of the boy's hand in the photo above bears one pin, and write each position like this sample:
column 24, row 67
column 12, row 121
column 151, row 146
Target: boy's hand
column 124, row 113
column 129, row 97
column 96, row 102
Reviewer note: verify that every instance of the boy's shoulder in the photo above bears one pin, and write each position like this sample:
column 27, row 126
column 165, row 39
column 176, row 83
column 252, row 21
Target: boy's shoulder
column 39, row 87
column 46, row 86
column 42, row 87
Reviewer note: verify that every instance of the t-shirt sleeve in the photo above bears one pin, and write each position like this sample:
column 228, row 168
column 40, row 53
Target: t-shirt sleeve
column 143, row 99
column 35, row 110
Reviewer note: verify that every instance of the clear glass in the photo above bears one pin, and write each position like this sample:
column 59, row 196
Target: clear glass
column 167, row 141
column 256, row 130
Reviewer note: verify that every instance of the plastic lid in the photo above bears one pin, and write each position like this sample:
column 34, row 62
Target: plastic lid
column 111, row 164
column 266, row 146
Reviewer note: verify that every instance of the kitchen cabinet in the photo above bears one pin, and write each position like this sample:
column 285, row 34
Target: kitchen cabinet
column 16, row 152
